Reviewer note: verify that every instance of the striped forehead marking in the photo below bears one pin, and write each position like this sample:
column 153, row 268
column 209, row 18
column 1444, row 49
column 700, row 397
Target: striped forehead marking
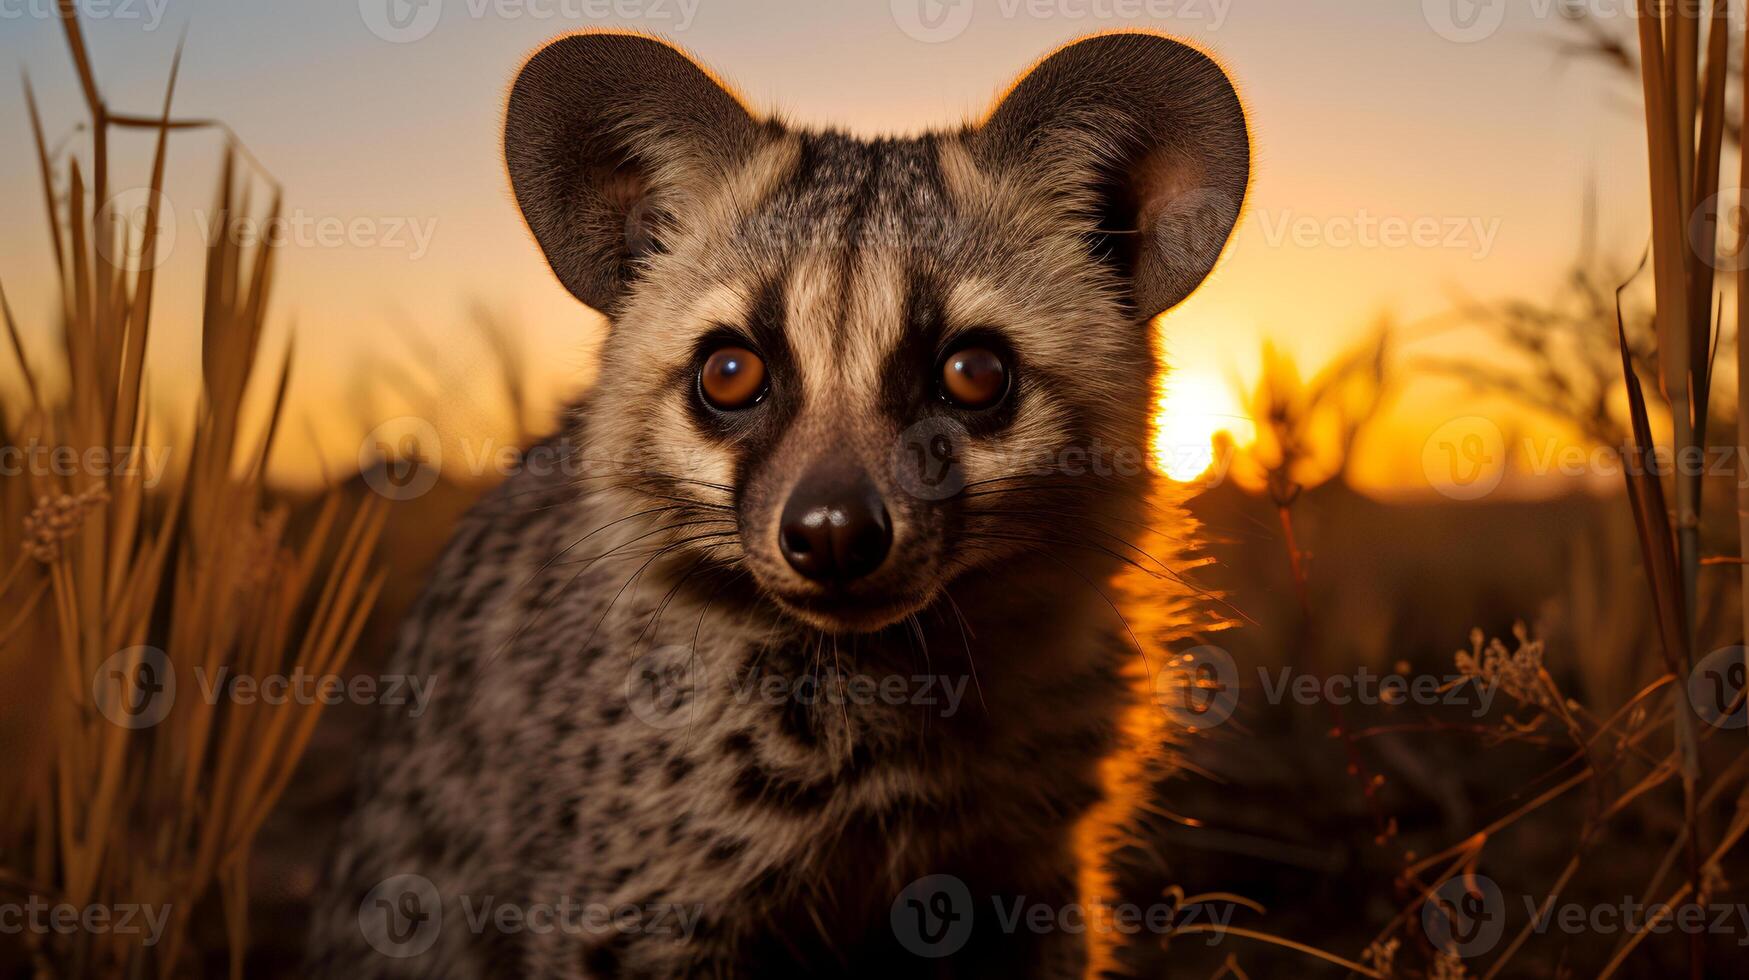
column 858, row 218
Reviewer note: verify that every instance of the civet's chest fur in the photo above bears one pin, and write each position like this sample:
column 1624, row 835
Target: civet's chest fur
column 578, row 750
column 792, row 624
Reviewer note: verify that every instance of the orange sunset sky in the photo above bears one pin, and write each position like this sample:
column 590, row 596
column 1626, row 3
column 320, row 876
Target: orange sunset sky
column 1407, row 151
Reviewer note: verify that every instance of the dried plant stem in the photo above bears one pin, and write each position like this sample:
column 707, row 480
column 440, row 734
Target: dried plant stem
column 1681, row 176
column 1743, row 383
column 1264, row 937
column 1739, row 827
column 204, row 570
column 1308, row 659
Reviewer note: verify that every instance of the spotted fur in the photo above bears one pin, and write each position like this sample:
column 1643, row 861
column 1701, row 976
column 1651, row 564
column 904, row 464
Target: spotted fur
column 598, row 623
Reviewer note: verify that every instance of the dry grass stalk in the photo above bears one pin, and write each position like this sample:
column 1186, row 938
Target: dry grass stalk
column 1683, row 179
column 1742, row 244
column 204, row 569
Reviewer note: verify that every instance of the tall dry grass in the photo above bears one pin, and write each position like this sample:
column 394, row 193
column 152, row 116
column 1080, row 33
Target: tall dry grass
column 1685, row 126
column 1631, row 756
column 1644, row 765
column 111, row 587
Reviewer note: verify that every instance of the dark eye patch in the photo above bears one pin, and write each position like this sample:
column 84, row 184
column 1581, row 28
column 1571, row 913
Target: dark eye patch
column 753, row 430
column 912, row 379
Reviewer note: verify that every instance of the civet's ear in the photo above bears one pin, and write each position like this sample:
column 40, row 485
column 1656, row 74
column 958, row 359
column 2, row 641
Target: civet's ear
column 604, row 134
column 1148, row 137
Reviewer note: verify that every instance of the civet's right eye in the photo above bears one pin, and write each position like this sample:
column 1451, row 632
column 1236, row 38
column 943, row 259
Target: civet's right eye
column 732, row 378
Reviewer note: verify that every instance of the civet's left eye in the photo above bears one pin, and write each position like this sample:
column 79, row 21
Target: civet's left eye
column 974, row 377
column 732, row 377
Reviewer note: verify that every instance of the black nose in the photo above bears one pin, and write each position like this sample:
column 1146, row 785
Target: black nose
column 835, row 527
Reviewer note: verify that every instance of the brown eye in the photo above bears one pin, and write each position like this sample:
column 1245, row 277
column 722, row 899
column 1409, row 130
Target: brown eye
column 974, row 377
column 732, row 377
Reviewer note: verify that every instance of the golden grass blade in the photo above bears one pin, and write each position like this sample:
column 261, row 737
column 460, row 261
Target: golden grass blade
column 1646, row 498
column 1683, row 53
column 36, row 398
column 1743, row 371
column 1669, row 238
column 48, row 178
column 79, row 329
column 1704, row 239
column 261, row 282
column 81, row 60
column 139, row 313
column 258, row 469
column 300, row 737
column 103, row 271
column 216, row 301
column 9, row 629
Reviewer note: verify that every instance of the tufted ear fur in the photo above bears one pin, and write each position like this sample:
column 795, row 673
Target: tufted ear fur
column 1147, row 137
column 605, row 135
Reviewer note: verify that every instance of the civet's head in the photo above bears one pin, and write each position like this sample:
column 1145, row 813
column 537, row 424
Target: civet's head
column 864, row 368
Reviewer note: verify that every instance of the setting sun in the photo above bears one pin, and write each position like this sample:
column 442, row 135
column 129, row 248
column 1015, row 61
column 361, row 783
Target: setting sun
column 1192, row 409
